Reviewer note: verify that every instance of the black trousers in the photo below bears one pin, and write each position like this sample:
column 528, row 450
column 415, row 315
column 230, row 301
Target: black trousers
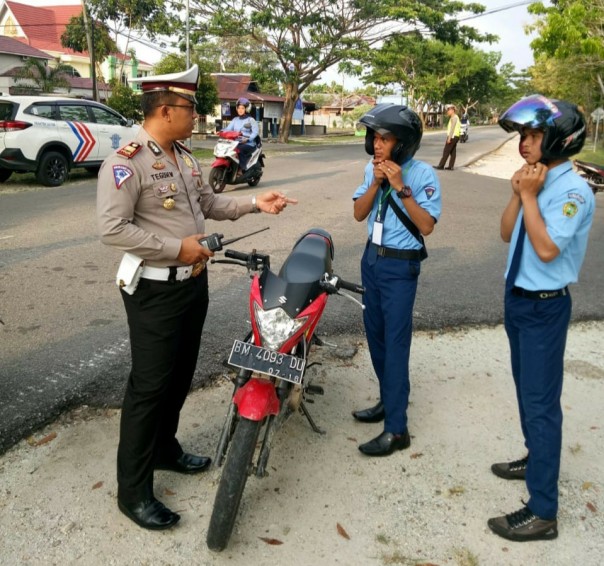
column 245, row 152
column 165, row 321
column 450, row 150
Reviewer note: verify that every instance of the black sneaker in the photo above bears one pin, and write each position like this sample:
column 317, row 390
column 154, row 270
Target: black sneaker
column 515, row 470
column 523, row 525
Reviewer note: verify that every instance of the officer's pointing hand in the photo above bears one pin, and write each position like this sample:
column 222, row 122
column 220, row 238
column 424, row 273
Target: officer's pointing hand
column 273, row 202
column 191, row 251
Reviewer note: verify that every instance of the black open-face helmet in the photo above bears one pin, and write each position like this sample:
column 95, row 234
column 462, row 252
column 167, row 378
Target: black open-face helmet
column 562, row 123
column 398, row 120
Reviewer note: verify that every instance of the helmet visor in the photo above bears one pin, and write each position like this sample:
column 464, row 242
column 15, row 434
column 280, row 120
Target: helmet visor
column 531, row 112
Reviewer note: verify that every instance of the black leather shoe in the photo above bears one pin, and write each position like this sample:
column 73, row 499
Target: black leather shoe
column 438, row 167
column 385, row 444
column 186, row 464
column 372, row 415
column 150, row 514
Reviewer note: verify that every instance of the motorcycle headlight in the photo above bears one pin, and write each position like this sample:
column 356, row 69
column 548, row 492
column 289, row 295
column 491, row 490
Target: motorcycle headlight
column 276, row 326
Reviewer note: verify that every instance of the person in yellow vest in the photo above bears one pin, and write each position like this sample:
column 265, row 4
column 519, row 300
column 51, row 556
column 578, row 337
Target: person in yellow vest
column 453, row 134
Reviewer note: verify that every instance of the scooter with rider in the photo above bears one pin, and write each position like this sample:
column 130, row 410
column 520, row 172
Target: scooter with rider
column 239, row 157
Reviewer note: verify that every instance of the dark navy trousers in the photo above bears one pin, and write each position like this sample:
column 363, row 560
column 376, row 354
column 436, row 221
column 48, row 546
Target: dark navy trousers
column 537, row 331
column 390, row 287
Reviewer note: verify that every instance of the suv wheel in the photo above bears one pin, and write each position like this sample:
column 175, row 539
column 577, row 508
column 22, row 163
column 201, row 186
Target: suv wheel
column 4, row 174
column 53, row 169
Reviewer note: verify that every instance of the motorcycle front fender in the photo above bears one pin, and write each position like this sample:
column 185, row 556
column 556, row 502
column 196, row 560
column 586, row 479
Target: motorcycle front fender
column 257, row 399
column 220, row 162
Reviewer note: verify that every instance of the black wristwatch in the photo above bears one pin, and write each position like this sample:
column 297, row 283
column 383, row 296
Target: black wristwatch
column 405, row 192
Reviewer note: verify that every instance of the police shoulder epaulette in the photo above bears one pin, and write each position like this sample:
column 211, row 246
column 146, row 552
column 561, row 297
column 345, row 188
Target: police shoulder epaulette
column 184, row 147
column 130, row 150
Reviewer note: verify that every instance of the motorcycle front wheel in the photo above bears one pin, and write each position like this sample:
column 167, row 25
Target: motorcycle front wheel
column 217, row 179
column 236, row 470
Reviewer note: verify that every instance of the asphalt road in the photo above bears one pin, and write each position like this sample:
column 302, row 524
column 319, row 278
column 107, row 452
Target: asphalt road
column 64, row 339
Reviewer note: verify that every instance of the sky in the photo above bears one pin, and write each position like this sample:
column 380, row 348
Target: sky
column 508, row 24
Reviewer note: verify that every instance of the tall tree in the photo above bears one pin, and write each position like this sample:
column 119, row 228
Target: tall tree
column 309, row 36
column 232, row 54
column 207, row 92
column 572, row 31
column 74, row 37
column 45, row 79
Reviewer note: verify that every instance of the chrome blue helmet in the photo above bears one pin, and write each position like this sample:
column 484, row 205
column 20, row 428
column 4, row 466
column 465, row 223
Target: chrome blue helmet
column 562, row 123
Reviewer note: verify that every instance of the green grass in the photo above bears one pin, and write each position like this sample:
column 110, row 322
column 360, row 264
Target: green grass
column 589, row 155
column 203, row 154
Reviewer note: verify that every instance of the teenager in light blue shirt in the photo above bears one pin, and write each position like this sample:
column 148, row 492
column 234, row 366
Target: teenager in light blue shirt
column 547, row 222
column 400, row 199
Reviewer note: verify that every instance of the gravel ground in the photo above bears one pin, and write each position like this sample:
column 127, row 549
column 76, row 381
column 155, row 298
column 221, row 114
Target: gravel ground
column 323, row 503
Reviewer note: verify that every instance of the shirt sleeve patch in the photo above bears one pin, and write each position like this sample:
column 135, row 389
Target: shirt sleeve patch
column 569, row 209
column 121, row 174
column 578, row 197
column 429, row 192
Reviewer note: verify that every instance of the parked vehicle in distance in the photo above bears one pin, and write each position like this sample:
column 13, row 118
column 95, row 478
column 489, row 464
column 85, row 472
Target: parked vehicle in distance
column 51, row 135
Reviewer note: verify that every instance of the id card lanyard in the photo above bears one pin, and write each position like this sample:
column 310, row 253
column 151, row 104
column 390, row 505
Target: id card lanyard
column 378, row 225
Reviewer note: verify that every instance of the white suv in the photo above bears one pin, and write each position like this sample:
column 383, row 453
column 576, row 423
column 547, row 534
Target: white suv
column 50, row 135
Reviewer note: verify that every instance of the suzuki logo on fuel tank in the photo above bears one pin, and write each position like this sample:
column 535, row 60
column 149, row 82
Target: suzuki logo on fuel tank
column 282, row 299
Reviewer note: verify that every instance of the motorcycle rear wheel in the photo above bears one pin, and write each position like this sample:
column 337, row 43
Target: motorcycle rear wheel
column 232, row 483
column 253, row 181
column 216, row 179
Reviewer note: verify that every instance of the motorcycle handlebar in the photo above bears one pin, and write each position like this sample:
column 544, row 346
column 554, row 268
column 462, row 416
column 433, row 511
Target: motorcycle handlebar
column 331, row 284
column 236, row 255
column 352, row 287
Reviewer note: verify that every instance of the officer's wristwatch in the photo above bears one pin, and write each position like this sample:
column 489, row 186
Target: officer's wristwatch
column 405, row 192
column 255, row 208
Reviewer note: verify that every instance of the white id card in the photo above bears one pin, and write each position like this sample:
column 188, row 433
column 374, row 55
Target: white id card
column 376, row 236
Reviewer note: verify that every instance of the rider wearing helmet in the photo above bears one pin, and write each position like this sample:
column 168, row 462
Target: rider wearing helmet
column 400, row 198
column 547, row 222
column 248, row 127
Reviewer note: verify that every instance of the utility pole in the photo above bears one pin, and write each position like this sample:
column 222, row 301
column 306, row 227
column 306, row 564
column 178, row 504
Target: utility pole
column 90, row 42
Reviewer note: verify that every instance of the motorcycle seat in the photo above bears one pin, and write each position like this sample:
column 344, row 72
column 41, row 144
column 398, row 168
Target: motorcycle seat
column 308, row 261
column 589, row 165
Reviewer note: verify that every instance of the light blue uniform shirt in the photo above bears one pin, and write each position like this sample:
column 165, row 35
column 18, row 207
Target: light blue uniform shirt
column 247, row 126
column 567, row 206
column 426, row 191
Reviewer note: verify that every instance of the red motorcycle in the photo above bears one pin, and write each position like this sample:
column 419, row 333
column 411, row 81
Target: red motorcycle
column 592, row 173
column 271, row 383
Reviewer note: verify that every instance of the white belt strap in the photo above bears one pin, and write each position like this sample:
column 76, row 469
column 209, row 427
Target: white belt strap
column 163, row 273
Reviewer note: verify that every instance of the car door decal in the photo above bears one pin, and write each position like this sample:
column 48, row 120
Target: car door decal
column 85, row 139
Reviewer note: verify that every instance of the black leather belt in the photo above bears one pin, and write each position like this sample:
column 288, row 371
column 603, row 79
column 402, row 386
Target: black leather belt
column 539, row 295
column 397, row 254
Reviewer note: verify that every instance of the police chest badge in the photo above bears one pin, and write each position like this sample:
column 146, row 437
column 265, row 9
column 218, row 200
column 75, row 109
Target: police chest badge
column 121, row 174
column 569, row 209
column 169, row 203
column 158, row 165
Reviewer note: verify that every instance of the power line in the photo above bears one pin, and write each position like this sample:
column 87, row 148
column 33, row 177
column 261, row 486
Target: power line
column 496, row 10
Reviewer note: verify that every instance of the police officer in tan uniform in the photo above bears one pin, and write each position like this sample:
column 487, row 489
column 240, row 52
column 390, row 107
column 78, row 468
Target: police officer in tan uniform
column 152, row 203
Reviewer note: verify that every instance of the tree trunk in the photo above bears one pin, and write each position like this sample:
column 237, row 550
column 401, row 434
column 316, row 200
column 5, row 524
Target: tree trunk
column 291, row 96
